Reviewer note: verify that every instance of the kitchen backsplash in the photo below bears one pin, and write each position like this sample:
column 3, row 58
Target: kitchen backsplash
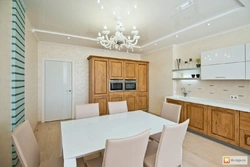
column 219, row 90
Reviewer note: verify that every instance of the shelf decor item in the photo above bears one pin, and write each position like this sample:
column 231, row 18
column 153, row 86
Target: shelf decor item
column 198, row 62
column 178, row 63
column 190, row 63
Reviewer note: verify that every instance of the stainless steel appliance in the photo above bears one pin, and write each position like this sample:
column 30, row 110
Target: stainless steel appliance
column 116, row 85
column 130, row 84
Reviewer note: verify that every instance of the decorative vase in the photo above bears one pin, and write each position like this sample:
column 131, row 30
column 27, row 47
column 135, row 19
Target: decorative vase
column 178, row 63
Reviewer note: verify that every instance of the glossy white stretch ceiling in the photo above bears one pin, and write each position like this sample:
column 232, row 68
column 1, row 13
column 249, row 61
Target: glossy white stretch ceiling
column 158, row 21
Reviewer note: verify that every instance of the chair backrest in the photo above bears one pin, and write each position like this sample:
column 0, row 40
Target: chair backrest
column 169, row 151
column 26, row 145
column 171, row 111
column 126, row 152
column 87, row 110
column 117, row 107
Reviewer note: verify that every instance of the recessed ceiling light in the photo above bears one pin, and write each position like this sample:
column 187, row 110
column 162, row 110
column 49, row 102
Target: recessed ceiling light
column 102, row 7
column 98, row 1
column 113, row 12
column 176, row 36
column 128, row 12
column 208, row 24
column 68, row 37
column 135, row 6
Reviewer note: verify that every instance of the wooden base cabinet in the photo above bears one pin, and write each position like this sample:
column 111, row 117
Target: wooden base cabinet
column 245, row 130
column 197, row 115
column 223, row 124
column 183, row 113
column 142, row 101
column 103, row 104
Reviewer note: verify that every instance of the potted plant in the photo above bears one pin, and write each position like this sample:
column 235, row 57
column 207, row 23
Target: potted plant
column 198, row 62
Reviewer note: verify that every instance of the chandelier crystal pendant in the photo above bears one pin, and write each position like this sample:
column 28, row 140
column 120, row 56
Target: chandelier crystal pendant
column 118, row 41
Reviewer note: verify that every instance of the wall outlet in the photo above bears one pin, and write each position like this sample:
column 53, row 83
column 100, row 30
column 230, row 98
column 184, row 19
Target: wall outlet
column 234, row 97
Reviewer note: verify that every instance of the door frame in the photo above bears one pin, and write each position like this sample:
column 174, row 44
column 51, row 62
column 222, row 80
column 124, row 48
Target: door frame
column 43, row 85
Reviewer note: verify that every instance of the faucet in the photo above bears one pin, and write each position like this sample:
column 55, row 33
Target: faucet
column 184, row 91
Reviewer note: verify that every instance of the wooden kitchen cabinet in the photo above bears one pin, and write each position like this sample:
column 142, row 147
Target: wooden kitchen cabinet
column 245, row 130
column 98, row 78
column 116, row 69
column 223, row 124
column 142, row 78
column 183, row 113
column 130, row 97
column 142, row 101
column 102, row 69
column 103, row 104
column 197, row 115
column 130, row 70
column 116, row 96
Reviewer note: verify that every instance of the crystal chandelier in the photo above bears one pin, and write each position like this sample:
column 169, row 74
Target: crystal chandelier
column 118, row 40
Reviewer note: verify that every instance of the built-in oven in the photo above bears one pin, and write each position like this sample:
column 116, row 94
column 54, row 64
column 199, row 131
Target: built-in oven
column 116, row 85
column 130, row 84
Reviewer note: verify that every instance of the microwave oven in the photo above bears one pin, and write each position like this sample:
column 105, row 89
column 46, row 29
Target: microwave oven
column 116, row 85
column 130, row 85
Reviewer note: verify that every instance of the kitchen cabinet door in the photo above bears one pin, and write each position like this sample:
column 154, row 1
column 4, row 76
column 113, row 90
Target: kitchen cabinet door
column 225, row 55
column 248, row 70
column 248, row 52
column 183, row 114
column 142, row 78
column 130, row 70
column 221, row 71
column 197, row 115
column 130, row 97
column 223, row 124
column 98, row 81
column 115, row 96
column 142, row 101
column 245, row 130
column 116, row 69
column 103, row 104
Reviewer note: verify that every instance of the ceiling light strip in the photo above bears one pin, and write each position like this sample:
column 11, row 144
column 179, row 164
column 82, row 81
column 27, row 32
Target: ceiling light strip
column 63, row 34
column 190, row 27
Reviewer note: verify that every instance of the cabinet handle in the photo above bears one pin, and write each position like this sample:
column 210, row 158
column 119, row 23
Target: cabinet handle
column 220, row 77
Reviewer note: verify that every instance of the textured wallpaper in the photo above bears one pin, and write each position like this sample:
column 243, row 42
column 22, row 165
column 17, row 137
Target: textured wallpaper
column 5, row 82
column 78, row 55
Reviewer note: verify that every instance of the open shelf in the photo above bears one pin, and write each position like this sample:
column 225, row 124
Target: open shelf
column 186, row 73
column 186, row 78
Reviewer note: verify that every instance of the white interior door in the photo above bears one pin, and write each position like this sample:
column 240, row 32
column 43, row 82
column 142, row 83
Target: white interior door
column 58, row 90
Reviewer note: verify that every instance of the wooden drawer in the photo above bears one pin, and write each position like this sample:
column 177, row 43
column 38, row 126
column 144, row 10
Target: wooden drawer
column 245, row 139
column 245, row 121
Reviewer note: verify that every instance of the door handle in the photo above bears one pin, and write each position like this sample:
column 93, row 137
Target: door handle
column 68, row 90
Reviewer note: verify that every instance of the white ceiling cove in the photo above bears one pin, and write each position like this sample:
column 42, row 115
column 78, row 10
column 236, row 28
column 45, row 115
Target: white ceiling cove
column 161, row 23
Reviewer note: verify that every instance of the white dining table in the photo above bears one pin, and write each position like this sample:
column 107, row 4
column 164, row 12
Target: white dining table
column 85, row 136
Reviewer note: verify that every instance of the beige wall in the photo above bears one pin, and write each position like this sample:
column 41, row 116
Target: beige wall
column 31, row 75
column 219, row 90
column 78, row 55
column 5, row 83
column 160, row 77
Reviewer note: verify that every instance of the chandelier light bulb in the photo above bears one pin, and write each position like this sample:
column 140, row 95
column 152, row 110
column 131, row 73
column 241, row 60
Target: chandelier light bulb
column 134, row 27
column 99, row 34
column 105, row 27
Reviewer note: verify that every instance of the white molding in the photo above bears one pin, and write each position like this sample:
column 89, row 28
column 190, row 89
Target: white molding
column 72, row 85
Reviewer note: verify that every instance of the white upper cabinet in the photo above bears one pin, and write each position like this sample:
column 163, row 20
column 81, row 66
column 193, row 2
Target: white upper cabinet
column 224, row 64
column 230, row 71
column 248, row 52
column 248, row 61
column 224, row 55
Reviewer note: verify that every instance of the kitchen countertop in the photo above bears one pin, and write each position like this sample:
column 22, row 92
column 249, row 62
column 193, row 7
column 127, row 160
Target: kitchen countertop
column 215, row 103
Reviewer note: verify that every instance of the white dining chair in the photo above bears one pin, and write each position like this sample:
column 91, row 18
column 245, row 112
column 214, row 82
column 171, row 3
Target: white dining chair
column 87, row 110
column 28, row 150
column 117, row 107
column 170, row 112
column 125, row 152
column 168, row 152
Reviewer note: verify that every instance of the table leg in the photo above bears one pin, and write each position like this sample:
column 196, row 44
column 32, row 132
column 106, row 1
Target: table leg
column 70, row 162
